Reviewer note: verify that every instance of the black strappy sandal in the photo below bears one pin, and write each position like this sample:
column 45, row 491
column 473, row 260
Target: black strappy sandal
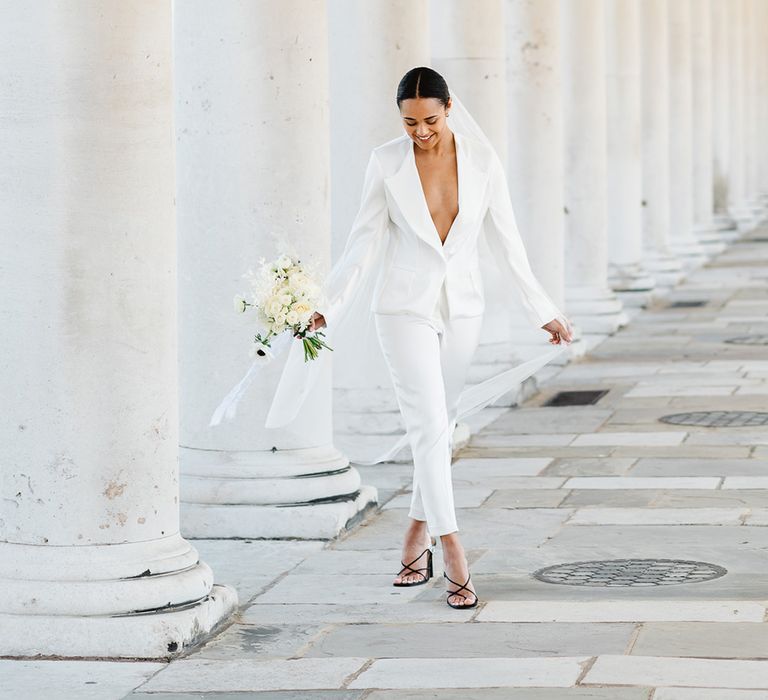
column 456, row 592
column 428, row 568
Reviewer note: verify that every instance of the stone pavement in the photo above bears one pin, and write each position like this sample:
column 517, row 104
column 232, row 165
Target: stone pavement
column 536, row 487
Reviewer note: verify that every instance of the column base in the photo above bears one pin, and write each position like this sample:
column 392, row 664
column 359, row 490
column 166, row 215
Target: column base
column 307, row 493
column 690, row 253
column 632, row 284
column 151, row 599
column 154, row 635
column 710, row 237
column 666, row 268
column 319, row 520
column 596, row 310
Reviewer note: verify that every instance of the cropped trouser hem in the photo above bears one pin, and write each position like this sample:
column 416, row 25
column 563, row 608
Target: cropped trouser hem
column 428, row 360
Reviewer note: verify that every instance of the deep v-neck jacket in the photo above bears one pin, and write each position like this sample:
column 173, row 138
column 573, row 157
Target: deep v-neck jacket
column 416, row 261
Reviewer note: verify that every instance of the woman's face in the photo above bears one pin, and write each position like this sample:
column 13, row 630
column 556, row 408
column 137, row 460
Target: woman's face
column 424, row 120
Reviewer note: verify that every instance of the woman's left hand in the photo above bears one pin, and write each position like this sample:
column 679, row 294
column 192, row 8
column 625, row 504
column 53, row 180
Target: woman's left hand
column 559, row 332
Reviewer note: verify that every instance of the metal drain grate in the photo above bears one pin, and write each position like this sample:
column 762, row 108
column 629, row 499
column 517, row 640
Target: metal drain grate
column 749, row 340
column 687, row 304
column 630, row 572
column 718, row 419
column 576, row 398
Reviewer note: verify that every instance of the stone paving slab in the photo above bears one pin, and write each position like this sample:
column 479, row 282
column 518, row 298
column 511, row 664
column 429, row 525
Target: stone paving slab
column 708, row 694
column 590, row 467
column 665, row 671
column 698, row 467
column 550, row 672
column 462, row 640
column 65, row 679
column 198, row 675
column 606, row 610
column 639, row 482
column 659, row 516
column 577, row 693
column 727, row 640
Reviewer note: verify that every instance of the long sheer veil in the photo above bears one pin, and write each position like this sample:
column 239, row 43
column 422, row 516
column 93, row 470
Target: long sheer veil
column 357, row 359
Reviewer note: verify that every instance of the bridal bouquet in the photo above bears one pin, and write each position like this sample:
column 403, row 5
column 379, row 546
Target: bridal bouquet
column 284, row 294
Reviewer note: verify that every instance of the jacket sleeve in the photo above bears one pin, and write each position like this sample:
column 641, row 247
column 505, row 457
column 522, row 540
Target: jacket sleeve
column 505, row 243
column 360, row 251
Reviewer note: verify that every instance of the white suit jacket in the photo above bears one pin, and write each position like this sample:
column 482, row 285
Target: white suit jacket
column 395, row 263
column 393, row 206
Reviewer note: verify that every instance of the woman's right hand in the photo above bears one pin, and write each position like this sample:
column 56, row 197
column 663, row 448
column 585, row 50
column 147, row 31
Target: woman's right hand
column 317, row 322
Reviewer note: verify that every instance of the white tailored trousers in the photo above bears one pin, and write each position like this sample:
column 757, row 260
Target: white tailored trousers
column 428, row 360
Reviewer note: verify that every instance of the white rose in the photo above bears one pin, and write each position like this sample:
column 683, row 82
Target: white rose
column 284, row 262
column 301, row 308
column 292, row 318
column 286, row 299
column 273, row 306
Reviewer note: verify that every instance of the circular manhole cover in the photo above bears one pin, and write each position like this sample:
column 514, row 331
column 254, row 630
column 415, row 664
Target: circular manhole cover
column 718, row 419
column 630, row 572
column 749, row 340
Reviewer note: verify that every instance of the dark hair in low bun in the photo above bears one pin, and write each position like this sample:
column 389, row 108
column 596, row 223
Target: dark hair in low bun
column 423, row 82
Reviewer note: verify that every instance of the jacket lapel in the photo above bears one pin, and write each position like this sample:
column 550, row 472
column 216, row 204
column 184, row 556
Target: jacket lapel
column 405, row 188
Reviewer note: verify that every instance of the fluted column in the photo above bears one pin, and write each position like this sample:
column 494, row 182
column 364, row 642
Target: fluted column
column 755, row 126
column 253, row 158
column 372, row 45
column 658, row 258
column 737, row 200
column 589, row 300
column 721, row 109
column 468, row 49
column 625, row 187
column 705, row 227
column 536, row 154
column 91, row 559
column 683, row 242
column 762, row 92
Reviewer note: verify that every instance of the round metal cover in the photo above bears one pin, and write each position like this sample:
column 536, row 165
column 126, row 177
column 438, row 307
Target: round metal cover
column 718, row 419
column 749, row 340
column 630, row 572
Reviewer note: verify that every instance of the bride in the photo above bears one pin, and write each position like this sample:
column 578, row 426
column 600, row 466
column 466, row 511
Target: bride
column 427, row 196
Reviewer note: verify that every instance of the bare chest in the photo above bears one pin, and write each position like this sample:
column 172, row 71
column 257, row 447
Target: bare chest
column 440, row 185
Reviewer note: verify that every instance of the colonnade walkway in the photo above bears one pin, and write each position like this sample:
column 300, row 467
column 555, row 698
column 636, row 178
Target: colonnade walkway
column 539, row 486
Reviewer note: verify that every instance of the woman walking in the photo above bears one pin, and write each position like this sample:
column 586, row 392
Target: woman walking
column 428, row 195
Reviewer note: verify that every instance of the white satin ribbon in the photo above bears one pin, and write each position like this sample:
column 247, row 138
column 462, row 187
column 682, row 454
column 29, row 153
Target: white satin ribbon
column 228, row 406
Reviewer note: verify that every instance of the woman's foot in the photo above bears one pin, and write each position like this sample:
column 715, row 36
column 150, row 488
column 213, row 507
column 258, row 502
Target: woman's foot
column 456, row 569
column 417, row 540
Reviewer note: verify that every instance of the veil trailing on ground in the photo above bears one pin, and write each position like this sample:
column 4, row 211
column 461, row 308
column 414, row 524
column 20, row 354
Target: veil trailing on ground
column 358, row 362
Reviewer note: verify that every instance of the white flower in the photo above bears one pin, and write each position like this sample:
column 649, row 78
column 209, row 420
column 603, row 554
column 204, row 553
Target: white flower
column 302, row 309
column 286, row 299
column 239, row 303
column 284, row 262
column 292, row 318
column 273, row 306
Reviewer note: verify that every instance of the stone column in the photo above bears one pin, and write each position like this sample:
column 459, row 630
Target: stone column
column 721, row 111
column 536, row 153
column 468, row 49
column 754, row 127
column 703, row 177
column 253, row 176
column 625, row 186
column 91, row 559
column 737, row 204
column 683, row 242
column 372, row 45
column 762, row 92
column 589, row 299
column 657, row 256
